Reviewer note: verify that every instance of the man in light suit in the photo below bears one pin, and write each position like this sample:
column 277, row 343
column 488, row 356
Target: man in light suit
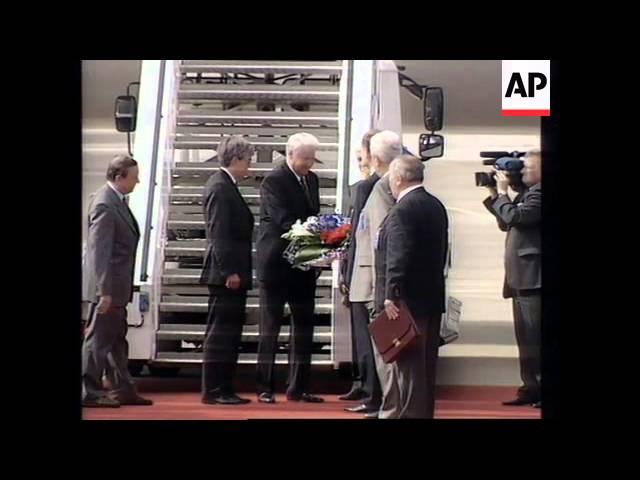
column 385, row 146
column 521, row 218
column 411, row 251
column 109, row 266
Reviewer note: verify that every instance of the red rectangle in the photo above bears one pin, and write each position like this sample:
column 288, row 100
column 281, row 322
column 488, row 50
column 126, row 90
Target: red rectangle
column 526, row 113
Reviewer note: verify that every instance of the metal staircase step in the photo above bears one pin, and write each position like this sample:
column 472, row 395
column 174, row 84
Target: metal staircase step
column 197, row 210
column 250, row 333
column 200, row 142
column 204, row 115
column 290, row 93
column 257, row 67
column 187, row 248
column 197, row 177
column 193, row 194
column 252, row 181
column 326, row 134
column 191, row 212
column 321, row 293
column 191, row 276
column 243, row 358
column 207, row 169
column 184, row 224
column 195, row 200
column 200, row 304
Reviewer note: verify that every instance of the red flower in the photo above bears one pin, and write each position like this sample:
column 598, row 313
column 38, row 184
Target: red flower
column 337, row 236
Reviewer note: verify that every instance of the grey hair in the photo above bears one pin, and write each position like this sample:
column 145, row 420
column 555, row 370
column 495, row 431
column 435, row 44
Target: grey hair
column 386, row 146
column 299, row 140
column 232, row 147
column 409, row 168
column 119, row 166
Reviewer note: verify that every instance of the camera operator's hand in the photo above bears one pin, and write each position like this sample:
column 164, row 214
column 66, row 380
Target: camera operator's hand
column 503, row 182
column 493, row 192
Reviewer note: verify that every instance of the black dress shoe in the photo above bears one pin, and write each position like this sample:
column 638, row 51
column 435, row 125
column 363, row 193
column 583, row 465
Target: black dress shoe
column 354, row 394
column 537, row 405
column 305, row 397
column 517, row 402
column 225, row 399
column 371, row 415
column 362, row 408
column 135, row 400
column 266, row 398
column 101, row 402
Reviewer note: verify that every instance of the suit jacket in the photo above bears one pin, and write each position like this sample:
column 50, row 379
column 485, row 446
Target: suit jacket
column 521, row 220
column 111, row 249
column 282, row 202
column 411, row 253
column 380, row 201
column 229, row 230
column 362, row 190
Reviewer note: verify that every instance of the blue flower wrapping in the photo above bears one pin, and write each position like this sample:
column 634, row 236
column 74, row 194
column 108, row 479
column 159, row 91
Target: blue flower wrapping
column 305, row 249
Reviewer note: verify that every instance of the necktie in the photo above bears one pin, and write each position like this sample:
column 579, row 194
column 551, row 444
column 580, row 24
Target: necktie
column 305, row 188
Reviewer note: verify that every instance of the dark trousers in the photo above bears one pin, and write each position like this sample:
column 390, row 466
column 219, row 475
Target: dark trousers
column 412, row 392
column 527, row 311
column 355, row 373
column 364, row 351
column 105, row 351
column 226, row 317
column 299, row 293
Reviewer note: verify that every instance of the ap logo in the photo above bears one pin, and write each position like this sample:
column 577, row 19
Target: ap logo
column 526, row 88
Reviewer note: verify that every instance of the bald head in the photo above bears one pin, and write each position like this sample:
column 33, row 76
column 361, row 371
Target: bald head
column 123, row 173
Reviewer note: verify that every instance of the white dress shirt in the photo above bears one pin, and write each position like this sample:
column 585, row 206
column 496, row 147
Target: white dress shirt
column 294, row 172
column 407, row 190
column 229, row 173
column 118, row 192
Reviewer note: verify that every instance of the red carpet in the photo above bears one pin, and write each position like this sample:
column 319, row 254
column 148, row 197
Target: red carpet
column 452, row 403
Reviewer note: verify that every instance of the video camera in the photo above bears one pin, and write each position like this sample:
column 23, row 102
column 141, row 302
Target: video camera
column 508, row 162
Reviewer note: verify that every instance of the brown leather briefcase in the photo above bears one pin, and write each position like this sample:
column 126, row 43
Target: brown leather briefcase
column 392, row 337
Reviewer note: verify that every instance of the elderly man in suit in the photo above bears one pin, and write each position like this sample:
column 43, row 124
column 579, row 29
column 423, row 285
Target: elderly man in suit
column 521, row 218
column 109, row 266
column 411, row 251
column 288, row 193
column 227, row 269
column 385, row 146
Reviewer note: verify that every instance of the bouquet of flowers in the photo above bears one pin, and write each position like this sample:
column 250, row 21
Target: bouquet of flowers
column 318, row 241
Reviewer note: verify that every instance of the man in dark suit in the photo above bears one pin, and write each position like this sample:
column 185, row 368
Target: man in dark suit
column 411, row 250
column 227, row 269
column 521, row 219
column 108, row 287
column 288, row 193
column 365, row 379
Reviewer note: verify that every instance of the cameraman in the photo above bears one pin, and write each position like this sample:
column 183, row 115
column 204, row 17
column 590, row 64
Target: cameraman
column 521, row 219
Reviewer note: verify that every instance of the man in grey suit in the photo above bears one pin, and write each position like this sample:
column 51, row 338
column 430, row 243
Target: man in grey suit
column 521, row 219
column 385, row 146
column 109, row 265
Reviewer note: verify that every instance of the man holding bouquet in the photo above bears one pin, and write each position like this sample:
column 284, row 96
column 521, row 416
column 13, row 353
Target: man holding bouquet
column 288, row 193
